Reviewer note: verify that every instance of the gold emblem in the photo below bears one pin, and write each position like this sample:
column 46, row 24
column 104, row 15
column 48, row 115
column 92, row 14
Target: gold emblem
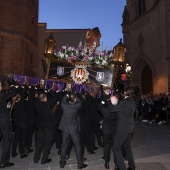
column 79, row 74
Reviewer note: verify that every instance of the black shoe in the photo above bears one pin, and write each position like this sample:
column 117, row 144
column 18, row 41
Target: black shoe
column 106, row 165
column 91, row 152
column 6, row 165
column 82, row 166
column 29, row 150
column 23, row 156
column 95, row 148
column 47, row 161
column 59, row 152
column 14, row 155
column 67, row 157
column 62, row 164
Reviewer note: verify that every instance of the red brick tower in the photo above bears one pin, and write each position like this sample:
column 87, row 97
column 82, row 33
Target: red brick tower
column 19, row 37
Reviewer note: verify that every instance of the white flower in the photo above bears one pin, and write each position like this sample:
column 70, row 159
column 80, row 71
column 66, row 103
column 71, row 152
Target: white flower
column 97, row 62
column 66, row 56
column 90, row 58
column 64, row 47
column 104, row 62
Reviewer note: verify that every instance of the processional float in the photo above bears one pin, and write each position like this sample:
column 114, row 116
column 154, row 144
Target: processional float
column 84, row 64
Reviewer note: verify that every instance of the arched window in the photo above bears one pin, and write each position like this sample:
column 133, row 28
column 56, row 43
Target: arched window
column 142, row 7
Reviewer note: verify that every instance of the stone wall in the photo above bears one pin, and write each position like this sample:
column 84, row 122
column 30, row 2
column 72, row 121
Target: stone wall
column 18, row 37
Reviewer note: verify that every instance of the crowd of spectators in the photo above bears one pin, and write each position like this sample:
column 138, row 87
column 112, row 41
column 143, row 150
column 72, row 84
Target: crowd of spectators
column 153, row 108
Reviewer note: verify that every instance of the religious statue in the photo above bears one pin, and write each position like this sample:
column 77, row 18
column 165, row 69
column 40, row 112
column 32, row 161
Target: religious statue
column 93, row 38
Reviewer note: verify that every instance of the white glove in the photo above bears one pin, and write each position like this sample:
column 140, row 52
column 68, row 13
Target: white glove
column 102, row 102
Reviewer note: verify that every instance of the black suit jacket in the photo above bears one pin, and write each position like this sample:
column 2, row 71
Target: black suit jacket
column 85, row 116
column 45, row 118
column 19, row 115
column 125, row 110
column 109, row 125
column 4, row 96
column 70, row 122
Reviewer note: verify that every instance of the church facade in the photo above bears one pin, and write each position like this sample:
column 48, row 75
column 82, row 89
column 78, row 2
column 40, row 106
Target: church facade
column 146, row 34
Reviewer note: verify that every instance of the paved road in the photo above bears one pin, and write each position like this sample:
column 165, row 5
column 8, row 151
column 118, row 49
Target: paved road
column 151, row 148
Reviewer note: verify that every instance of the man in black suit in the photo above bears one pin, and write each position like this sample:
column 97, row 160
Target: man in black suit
column 70, row 127
column 109, row 130
column 45, row 122
column 5, row 123
column 125, row 110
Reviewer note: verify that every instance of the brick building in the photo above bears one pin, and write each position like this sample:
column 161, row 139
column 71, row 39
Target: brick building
column 19, row 37
column 146, row 32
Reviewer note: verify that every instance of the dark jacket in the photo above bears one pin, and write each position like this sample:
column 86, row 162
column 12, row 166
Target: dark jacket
column 57, row 108
column 70, row 122
column 125, row 110
column 109, row 125
column 45, row 118
column 4, row 96
column 30, row 106
column 19, row 115
column 95, row 114
column 85, row 116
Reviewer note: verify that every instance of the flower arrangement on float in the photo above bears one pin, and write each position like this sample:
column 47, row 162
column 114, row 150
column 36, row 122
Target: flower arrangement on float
column 85, row 54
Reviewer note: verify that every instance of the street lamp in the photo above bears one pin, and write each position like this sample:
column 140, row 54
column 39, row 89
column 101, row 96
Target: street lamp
column 48, row 51
column 49, row 45
column 128, row 73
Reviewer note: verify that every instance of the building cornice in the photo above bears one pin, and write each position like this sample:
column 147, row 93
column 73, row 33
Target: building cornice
column 62, row 30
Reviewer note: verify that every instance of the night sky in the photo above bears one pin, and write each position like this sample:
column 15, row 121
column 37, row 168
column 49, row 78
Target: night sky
column 83, row 14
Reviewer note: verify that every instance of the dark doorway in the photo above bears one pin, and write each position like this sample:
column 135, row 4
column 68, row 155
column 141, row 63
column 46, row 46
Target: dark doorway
column 147, row 83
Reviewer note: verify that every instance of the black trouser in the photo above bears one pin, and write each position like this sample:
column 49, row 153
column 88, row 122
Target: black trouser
column 128, row 150
column 6, row 132
column 125, row 140
column 85, row 139
column 44, row 140
column 64, row 147
column 30, row 131
column 20, row 133
column 55, row 136
column 107, row 146
column 59, row 139
column 97, row 133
